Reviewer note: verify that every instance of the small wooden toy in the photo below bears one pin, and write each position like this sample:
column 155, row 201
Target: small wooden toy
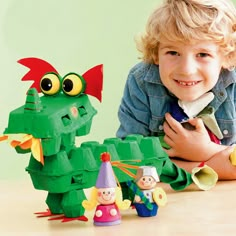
column 147, row 195
column 108, row 196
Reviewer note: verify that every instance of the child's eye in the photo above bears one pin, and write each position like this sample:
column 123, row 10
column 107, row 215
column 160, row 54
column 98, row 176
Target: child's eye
column 203, row 54
column 173, row 53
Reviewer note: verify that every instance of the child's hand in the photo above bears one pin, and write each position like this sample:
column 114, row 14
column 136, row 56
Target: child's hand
column 221, row 163
column 192, row 145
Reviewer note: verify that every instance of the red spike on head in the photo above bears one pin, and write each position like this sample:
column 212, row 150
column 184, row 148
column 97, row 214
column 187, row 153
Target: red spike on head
column 38, row 68
column 94, row 80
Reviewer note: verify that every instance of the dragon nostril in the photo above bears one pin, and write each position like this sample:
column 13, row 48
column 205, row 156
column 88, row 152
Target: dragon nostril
column 66, row 120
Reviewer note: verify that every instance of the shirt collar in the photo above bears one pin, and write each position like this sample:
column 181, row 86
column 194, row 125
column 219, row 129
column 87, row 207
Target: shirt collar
column 153, row 75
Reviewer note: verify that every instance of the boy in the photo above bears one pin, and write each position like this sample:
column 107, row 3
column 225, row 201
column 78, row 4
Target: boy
column 186, row 77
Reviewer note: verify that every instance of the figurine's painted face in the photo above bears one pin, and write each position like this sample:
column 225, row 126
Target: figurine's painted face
column 189, row 70
column 146, row 182
column 106, row 195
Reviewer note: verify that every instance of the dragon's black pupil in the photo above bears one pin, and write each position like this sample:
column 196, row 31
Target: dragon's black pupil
column 67, row 85
column 46, row 84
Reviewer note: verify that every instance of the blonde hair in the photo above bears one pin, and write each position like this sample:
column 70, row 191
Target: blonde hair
column 189, row 20
column 92, row 203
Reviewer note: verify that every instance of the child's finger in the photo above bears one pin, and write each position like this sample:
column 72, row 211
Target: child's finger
column 197, row 123
column 170, row 152
column 174, row 125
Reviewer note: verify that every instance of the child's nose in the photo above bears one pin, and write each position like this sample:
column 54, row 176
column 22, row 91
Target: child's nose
column 187, row 65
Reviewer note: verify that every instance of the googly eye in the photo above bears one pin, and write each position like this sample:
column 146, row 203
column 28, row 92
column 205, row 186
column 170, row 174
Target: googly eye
column 50, row 84
column 73, row 84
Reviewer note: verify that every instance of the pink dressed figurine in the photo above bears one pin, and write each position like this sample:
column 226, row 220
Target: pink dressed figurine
column 106, row 196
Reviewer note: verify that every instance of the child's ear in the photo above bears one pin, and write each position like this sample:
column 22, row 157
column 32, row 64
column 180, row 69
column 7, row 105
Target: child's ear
column 156, row 61
column 224, row 66
column 227, row 62
column 228, row 67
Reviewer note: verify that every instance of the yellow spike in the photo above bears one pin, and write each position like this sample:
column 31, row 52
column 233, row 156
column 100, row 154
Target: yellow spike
column 233, row 157
column 26, row 141
column 36, row 149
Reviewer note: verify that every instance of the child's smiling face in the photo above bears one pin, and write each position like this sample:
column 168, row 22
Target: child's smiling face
column 189, row 70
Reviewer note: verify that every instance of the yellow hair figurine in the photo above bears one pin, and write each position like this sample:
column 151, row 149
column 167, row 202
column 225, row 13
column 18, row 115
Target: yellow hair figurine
column 106, row 196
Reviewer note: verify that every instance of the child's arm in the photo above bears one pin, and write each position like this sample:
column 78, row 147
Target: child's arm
column 194, row 146
column 219, row 162
column 190, row 145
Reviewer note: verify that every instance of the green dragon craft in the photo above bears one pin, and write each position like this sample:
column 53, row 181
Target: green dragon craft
column 47, row 126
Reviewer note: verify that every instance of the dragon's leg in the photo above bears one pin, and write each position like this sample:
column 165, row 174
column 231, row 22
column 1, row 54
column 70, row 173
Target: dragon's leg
column 72, row 203
column 68, row 204
column 54, row 201
column 54, row 204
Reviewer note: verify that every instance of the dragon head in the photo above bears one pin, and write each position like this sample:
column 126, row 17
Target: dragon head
column 62, row 112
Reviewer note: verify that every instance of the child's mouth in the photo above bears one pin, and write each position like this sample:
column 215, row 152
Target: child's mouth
column 187, row 83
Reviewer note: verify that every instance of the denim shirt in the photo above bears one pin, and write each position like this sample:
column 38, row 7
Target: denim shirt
column 145, row 102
